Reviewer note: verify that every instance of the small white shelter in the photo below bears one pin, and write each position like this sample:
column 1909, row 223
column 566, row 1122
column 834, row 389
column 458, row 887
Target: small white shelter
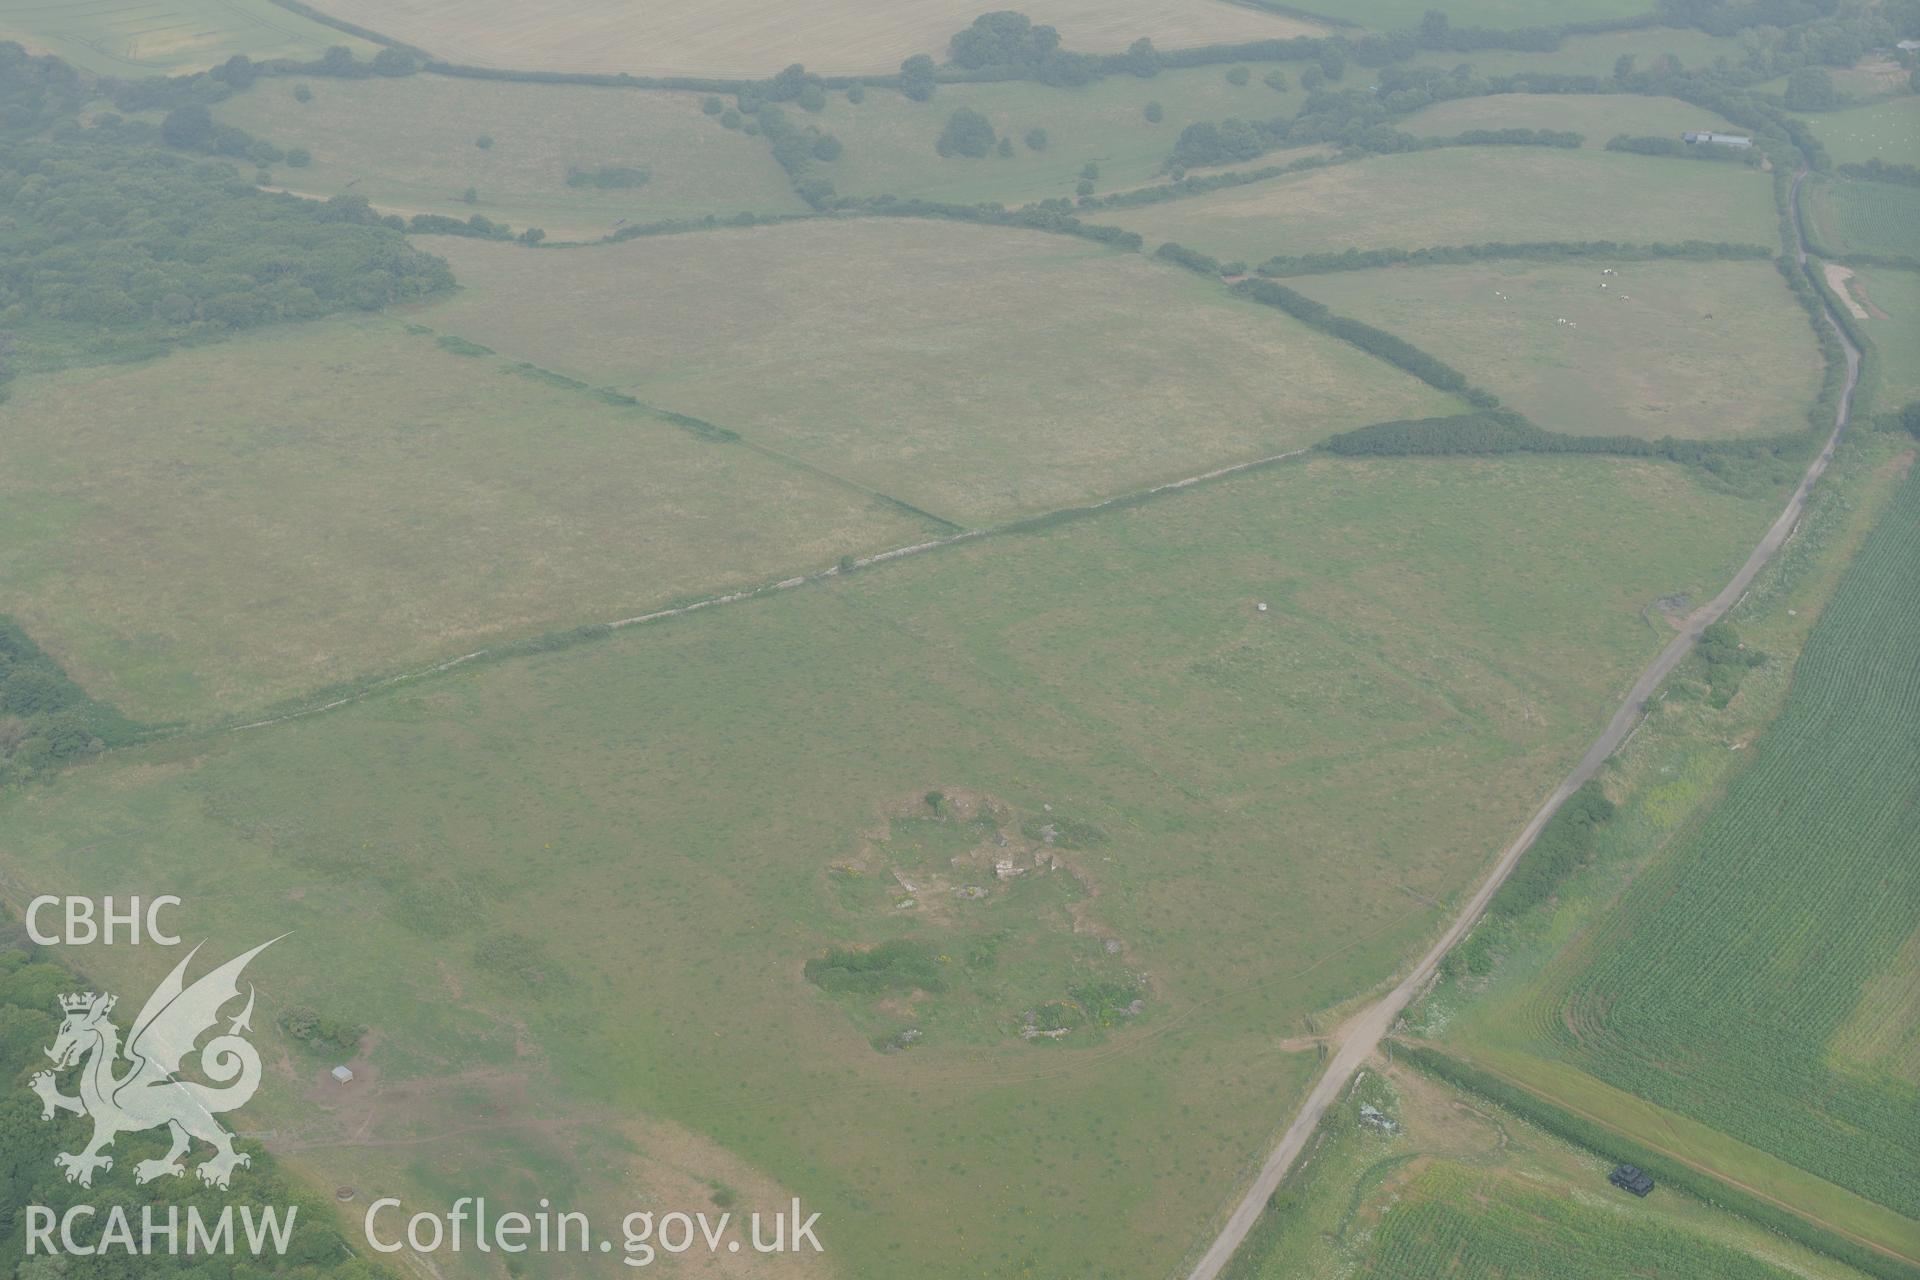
column 342, row 1074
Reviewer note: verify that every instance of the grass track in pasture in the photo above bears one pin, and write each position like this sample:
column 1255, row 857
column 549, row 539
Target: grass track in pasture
column 1640, row 355
column 1281, row 794
column 411, row 144
column 748, row 39
column 356, row 499
column 978, row 373
column 134, row 38
column 1466, row 195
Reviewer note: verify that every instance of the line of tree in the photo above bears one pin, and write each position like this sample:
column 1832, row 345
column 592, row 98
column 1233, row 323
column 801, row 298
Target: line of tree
column 1053, row 216
column 1679, row 149
column 1396, row 351
column 1308, row 264
column 1562, row 847
column 1734, row 464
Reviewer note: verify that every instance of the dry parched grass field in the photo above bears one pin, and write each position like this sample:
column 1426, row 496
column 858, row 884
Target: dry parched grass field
column 411, row 145
column 356, row 499
column 754, row 38
column 1467, row 195
column 977, row 373
column 1695, row 350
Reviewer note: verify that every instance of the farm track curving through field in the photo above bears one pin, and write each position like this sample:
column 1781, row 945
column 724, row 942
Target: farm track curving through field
column 1357, row 1040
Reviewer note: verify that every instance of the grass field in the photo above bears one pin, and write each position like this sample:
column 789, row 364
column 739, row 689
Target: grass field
column 411, row 145
column 1461, row 1189
column 1597, row 116
column 1887, row 131
column 1264, row 810
column 1697, row 350
column 1891, row 300
column 889, row 139
column 356, row 499
column 166, row 37
column 974, row 372
column 1466, row 195
column 741, row 38
column 1866, row 217
column 1756, row 978
column 1595, row 55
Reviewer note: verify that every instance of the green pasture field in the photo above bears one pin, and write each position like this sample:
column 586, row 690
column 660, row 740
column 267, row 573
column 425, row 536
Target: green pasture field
column 1596, row 116
column 1756, row 977
column 1463, row 1190
column 1466, row 195
column 166, row 37
column 890, row 139
column 746, row 39
column 1595, row 55
column 1891, row 300
column 978, row 373
column 583, row 884
column 357, row 499
column 1885, row 131
column 1865, row 217
column 410, row 145
column 1695, row 350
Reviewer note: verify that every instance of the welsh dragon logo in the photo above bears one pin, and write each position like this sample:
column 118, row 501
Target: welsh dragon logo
column 150, row 1094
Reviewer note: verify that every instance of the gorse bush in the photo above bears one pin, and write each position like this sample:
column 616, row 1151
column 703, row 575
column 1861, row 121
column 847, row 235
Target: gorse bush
column 1564, row 844
column 899, row 965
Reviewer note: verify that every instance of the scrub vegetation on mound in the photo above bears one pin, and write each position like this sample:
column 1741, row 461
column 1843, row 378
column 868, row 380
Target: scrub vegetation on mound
column 1288, row 798
column 975, row 373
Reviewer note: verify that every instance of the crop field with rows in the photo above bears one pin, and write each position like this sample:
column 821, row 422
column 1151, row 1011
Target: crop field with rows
column 1867, row 217
column 1744, row 979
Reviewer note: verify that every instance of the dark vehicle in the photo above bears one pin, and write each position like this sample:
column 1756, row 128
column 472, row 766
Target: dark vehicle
column 1629, row 1178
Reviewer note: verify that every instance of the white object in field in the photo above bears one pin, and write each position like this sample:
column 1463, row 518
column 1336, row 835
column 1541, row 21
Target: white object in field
column 1262, row 606
column 343, row 1074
